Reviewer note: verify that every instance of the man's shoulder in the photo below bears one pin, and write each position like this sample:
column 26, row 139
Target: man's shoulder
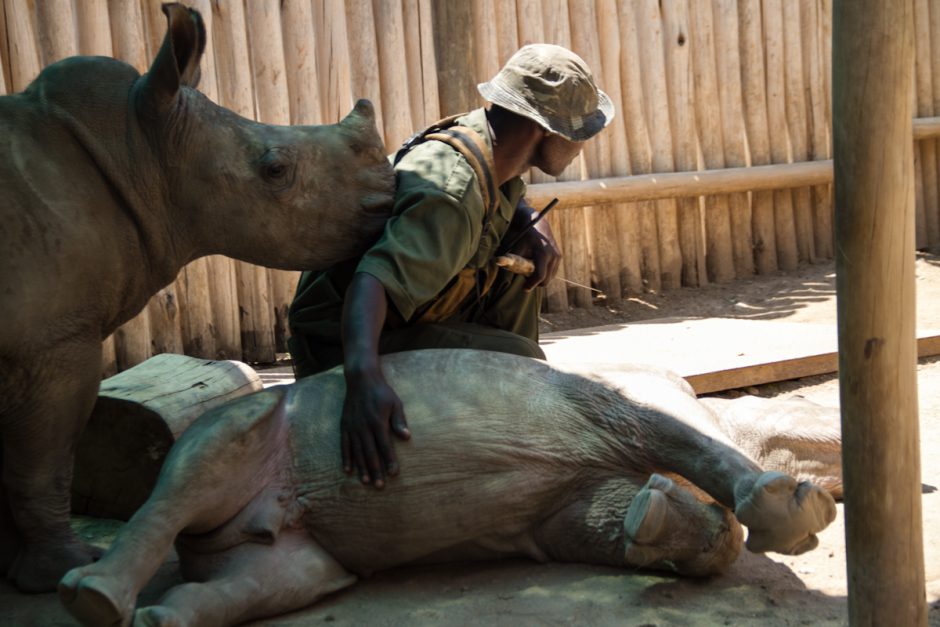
column 435, row 165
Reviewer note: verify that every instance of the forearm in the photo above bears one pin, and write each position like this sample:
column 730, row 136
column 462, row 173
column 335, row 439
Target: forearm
column 364, row 315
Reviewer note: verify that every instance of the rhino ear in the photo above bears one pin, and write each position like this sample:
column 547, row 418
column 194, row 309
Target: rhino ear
column 177, row 63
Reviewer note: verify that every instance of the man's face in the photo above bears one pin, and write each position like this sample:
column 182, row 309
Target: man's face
column 554, row 153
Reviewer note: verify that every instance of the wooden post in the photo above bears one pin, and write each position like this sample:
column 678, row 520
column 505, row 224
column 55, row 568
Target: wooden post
column 638, row 142
column 432, row 105
column 758, row 134
column 234, row 78
column 393, row 72
column 924, row 108
column 680, row 97
column 626, row 216
column 5, row 86
column 414, row 57
column 94, row 28
column 57, row 36
column 364, row 57
column 300, row 59
column 734, row 134
column 332, row 59
column 934, row 64
column 873, row 45
column 21, row 39
column 797, row 111
column 653, row 70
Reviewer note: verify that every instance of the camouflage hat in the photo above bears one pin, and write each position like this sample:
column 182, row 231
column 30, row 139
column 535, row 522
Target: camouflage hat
column 554, row 87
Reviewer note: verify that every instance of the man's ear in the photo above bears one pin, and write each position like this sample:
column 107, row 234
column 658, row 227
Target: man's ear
column 177, row 62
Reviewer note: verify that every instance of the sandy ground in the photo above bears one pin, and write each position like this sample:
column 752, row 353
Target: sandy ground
column 764, row 590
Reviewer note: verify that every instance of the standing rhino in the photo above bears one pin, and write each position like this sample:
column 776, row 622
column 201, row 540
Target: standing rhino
column 110, row 182
column 508, row 456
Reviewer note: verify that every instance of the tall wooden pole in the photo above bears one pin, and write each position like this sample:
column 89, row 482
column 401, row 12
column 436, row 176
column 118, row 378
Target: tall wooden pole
column 872, row 62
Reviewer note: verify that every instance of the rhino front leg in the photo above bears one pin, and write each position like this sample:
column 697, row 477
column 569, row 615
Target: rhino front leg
column 251, row 581
column 39, row 436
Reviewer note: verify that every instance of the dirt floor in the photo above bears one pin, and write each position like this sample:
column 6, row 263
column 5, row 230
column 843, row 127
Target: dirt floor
column 767, row 590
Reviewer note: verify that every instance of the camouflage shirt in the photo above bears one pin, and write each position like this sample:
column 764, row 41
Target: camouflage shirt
column 434, row 232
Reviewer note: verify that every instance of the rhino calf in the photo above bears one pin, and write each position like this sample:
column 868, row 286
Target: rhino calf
column 110, row 182
column 508, row 457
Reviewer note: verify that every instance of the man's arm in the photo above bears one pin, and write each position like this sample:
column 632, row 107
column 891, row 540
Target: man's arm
column 371, row 408
column 538, row 245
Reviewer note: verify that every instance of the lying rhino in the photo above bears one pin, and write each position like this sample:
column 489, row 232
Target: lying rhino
column 508, row 456
column 110, row 182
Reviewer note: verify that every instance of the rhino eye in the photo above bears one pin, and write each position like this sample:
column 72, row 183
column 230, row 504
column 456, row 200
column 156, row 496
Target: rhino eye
column 275, row 166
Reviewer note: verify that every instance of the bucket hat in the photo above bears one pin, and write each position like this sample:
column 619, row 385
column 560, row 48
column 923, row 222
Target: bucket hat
column 554, row 87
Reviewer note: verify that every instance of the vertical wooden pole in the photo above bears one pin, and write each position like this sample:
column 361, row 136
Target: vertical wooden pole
column 485, row 37
column 94, row 28
column 21, row 40
column 718, row 240
column 653, row 70
column 638, row 142
column 797, row 111
column 233, row 67
column 626, row 217
column 333, row 59
column 393, row 71
column 601, row 222
column 680, row 96
column 873, row 46
column 734, row 134
column 5, row 76
column 924, row 108
column 454, row 51
column 57, row 36
column 411, row 10
column 934, row 64
column 209, row 287
column 758, row 134
column 432, row 107
column 364, row 57
column 816, row 75
column 300, row 59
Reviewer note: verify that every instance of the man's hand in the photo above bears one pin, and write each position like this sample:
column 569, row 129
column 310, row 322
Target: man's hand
column 537, row 244
column 370, row 412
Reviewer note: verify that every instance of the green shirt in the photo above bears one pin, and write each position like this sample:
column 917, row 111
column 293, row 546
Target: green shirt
column 434, row 232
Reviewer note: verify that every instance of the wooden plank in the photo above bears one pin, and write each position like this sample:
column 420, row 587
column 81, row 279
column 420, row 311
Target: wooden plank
column 300, row 59
column 712, row 354
column 94, row 28
column 23, row 54
column 333, row 60
column 56, row 25
column 394, row 74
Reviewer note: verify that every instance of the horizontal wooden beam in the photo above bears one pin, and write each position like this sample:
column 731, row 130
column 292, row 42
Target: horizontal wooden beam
column 680, row 184
column 621, row 189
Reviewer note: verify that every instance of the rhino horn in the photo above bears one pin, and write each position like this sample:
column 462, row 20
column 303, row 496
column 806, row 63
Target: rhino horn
column 360, row 125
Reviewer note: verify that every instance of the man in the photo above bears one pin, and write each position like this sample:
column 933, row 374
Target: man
column 431, row 280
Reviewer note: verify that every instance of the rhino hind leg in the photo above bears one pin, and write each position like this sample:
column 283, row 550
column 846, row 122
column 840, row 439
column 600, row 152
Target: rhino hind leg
column 667, row 527
column 250, row 581
column 782, row 514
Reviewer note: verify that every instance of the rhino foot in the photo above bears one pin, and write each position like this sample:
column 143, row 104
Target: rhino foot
column 93, row 600
column 39, row 567
column 781, row 514
column 667, row 527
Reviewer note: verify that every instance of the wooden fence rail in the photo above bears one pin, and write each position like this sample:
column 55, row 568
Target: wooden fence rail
column 716, row 167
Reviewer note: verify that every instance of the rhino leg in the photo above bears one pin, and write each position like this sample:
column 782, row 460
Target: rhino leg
column 250, row 581
column 210, row 475
column 39, row 435
column 620, row 522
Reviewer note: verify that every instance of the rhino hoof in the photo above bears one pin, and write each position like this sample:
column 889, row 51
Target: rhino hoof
column 781, row 514
column 157, row 616
column 87, row 599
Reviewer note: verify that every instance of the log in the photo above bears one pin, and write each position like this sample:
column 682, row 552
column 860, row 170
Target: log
column 23, row 55
column 127, row 33
column 414, row 57
column 233, row 70
column 758, row 134
column 681, row 184
column 638, row 142
column 653, row 69
column 873, row 44
column 333, row 59
column 934, row 34
column 108, row 358
column 797, row 111
column 784, row 221
column 680, row 96
column 5, row 86
column 139, row 414
column 155, row 23
column 166, row 335
column 94, row 28
column 485, row 38
column 56, row 25
column 924, row 107
column 432, row 107
column 719, row 260
column 507, row 29
column 626, row 216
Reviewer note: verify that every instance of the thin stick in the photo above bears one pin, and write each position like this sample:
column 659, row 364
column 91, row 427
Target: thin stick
column 528, row 227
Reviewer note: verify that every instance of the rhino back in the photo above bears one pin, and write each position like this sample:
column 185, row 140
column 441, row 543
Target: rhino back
column 64, row 239
column 498, row 442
